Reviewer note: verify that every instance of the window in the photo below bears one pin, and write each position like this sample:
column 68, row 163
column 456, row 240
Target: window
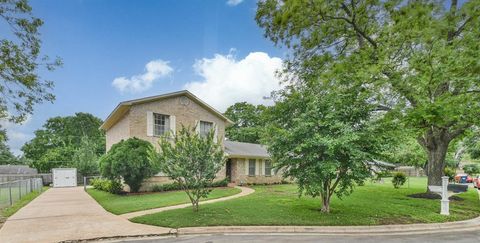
column 251, row 167
column 205, row 128
column 161, row 124
column 268, row 168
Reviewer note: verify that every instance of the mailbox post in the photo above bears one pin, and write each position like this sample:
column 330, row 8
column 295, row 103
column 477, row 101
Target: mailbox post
column 445, row 208
column 443, row 191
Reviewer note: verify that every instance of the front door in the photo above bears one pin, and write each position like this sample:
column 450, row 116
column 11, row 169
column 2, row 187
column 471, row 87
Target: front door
column 229, row 170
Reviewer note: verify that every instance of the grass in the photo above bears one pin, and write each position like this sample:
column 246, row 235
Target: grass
column 9, row 211
column 371, row 204
column 120, row 204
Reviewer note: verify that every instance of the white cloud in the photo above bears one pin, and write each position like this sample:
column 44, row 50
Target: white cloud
column 16, row 137
column 227, row 80
column 234, row 2
column 154, row 70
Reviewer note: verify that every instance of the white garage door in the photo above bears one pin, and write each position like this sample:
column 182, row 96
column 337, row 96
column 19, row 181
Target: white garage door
column 64, row 177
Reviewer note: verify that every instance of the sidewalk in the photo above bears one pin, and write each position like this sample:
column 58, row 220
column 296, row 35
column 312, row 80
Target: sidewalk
column 245, row 191
column 61, row 214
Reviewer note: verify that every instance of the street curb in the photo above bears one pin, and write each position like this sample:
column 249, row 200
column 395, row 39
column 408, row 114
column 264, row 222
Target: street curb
column 465, row 225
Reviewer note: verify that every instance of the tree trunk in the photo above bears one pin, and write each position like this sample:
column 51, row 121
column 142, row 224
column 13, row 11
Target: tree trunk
column 195, row 206
column 326, row 203
column 435, row 142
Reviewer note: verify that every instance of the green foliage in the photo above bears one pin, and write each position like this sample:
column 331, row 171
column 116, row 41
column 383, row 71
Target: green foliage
column 471, row 169
column 6, row 156
column 323, row 140
column 450, row 172
column 128, row 160
column 21, row 86
column 248, row 122
column 472, row 142
column 190, row 160
column 176, row 186
column 405, row 151
column 111, row 186
column 409, row 58
column 85, row 158
column 56, row 144
column 399, row 179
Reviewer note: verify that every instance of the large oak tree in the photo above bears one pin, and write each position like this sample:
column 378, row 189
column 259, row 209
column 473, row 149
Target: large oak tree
column 418, row 60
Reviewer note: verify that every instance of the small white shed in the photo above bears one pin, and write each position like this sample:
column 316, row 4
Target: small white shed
column 64, row 177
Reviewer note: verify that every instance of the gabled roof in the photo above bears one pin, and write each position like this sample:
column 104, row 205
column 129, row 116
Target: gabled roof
column 248, row 150
column 124, row 106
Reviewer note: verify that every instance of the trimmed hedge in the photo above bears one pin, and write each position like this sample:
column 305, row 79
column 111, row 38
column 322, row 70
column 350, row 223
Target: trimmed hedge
column 110, row 186
column 177, row 187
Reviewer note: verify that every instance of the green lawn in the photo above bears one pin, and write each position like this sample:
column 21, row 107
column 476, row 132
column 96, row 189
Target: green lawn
column 120, row 204
column 371, row 204
column 10, row 210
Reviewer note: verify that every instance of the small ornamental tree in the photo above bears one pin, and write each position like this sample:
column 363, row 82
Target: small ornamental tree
column 323, row 140
column 191, row 160
column 128, row 160
column 85, row 158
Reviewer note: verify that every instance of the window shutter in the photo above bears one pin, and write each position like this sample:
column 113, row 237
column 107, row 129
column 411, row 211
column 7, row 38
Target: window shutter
column 246, row 166
column 197, row 126
column 215, row 135
column 172, row 125
column 149, row 123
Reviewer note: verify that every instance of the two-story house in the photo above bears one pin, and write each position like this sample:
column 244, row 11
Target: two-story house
column 149, row 118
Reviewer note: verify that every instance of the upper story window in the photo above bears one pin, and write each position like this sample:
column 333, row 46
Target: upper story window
column 268, row 168
column 251, row 167
column 161, row 124
column 205, row 128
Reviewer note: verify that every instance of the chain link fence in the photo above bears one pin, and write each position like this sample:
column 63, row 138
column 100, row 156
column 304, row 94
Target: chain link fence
column 12, row 191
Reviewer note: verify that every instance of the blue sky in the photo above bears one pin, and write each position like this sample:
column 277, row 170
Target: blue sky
column 213, row 48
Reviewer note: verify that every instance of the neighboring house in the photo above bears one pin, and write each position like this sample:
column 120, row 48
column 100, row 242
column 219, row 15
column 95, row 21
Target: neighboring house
column 149, row 118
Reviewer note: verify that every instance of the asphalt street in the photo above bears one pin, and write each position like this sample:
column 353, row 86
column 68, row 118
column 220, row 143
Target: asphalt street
column 457, row 237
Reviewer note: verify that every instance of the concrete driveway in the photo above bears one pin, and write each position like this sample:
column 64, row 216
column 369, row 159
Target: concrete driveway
column 61, row 214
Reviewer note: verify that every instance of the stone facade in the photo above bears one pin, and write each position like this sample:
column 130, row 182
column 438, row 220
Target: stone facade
column 130, row 120
column 240, row 173
column 186, row 111
column 119, row 131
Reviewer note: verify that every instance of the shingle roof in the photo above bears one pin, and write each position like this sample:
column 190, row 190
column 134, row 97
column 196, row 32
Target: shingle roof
column 234, row 149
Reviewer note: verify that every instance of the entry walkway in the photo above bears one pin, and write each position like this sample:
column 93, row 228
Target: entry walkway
column 61, row 214
column 245, row 191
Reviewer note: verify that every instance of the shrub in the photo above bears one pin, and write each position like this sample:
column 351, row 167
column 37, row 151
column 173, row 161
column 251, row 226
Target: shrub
column 399, row 179
column 111, row 186
column 450, row 172
column 176, row 187
column 128, row 160
column 471, row 169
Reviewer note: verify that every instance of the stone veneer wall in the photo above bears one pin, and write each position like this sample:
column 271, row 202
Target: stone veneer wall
column 240, row 173
column 134, row 124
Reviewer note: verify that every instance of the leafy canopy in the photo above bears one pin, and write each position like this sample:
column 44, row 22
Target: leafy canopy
column 324, row 140
column 248, row 122
column 20, row 61
column 416, row 60
column 190, row 160
column 85, row 158
column 128, row 160
column 55, row 144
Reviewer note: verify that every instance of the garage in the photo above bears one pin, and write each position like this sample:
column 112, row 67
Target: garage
column 64, row 177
